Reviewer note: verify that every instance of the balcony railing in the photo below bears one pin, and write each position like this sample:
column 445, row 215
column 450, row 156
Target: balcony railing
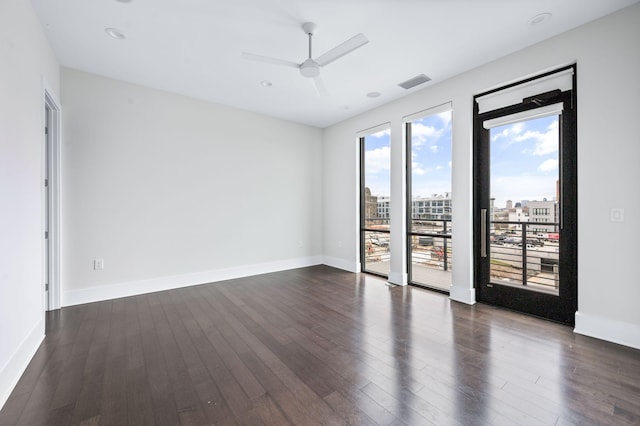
column 525, row 254
column 375, row 236
column 431, row 252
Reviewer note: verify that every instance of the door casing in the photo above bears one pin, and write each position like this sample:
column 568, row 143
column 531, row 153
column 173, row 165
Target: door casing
column 559, row 308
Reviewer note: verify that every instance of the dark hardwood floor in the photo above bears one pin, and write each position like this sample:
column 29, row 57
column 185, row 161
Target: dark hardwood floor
column 317, row 346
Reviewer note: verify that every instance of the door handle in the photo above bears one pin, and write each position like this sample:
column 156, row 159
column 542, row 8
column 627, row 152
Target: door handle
column 483, row 232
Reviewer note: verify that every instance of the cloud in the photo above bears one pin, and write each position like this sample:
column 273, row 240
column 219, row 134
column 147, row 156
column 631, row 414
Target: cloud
column 378, row 160
column 417, row 170
column 421, row 134
column 445, row 117
column 513, row 130
column 549, row 165
column 546, row 142
column 524, row 187
column 382, row 133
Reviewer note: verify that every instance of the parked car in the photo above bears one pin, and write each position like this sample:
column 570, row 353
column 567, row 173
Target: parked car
column 378, row 242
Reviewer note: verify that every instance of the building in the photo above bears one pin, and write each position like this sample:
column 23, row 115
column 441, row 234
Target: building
column 235, row 177
column 384, row 207
column 438, row 207
column 543, row 212
column 518, row 214
column 370, row 205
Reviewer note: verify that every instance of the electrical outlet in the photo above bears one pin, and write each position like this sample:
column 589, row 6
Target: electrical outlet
column 616, row 215
column 98, row 264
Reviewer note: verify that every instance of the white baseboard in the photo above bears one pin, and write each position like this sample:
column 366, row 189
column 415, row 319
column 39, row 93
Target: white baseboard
column 345, row 265
column 620, row 332
column 398, row 278
column 463, row 294
column 13, row 369
column 133, row 288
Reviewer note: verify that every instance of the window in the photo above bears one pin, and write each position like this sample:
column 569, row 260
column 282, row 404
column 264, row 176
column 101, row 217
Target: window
column 375, row 191
column 429, row 139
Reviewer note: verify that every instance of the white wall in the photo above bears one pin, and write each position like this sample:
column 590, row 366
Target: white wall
column 607, row 53
column 27, row 66
column 171, row 191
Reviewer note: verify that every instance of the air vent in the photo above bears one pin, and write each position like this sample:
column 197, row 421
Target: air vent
column 415, row 81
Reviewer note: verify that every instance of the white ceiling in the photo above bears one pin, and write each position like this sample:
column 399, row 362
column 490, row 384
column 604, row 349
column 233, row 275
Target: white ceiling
column 193, row 47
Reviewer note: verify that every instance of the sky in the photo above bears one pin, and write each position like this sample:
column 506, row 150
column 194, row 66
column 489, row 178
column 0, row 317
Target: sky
column 524, row 159
column 431, row 157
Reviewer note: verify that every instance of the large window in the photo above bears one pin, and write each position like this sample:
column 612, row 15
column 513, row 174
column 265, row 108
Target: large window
column 375, row 181
column 429, row 201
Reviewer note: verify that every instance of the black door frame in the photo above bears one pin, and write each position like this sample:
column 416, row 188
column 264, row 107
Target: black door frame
column 559, row 308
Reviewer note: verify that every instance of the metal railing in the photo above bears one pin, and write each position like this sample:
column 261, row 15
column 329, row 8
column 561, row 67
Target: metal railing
column 433, row 237
column 525, row 254
column 430, row 253
column 375, row 246
column 430, row 250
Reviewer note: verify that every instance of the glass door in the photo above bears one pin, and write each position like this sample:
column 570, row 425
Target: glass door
column 526, row 210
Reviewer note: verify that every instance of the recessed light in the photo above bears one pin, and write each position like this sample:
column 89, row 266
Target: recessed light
column 115, row 33
column 540, row 19
column 373, row 94
column 266, row 83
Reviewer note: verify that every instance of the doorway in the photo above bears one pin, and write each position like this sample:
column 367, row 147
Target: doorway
column 51, row 202
column 525, row 197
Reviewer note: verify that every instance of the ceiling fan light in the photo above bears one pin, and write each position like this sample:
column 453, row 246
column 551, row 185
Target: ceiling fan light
column 310, row 68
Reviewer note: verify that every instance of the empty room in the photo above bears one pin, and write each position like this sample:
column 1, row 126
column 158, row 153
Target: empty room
column 319, row 212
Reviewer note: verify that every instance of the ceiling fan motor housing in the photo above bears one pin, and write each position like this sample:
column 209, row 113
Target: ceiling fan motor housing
column 310, row 68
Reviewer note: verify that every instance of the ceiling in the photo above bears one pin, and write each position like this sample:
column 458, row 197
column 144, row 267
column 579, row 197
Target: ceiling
column 194, row 47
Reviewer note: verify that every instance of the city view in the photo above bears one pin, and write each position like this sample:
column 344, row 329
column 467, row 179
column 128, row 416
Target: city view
column 524, row 214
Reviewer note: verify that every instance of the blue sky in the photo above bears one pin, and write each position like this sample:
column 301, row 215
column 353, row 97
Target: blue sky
column 378, row 162
column 524, row 160
column 431, row 157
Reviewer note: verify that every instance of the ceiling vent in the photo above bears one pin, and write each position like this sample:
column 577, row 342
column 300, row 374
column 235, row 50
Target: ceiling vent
column 415, row 81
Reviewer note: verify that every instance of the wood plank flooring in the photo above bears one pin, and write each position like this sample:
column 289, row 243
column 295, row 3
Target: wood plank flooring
column 318, row 346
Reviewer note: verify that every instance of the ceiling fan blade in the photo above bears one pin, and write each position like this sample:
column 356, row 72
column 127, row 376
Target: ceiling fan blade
column 320, row 87
column 269, row 60
column 339, row 51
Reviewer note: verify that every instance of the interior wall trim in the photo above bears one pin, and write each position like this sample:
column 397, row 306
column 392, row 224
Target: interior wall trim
column 17, row 364
column 345, row 265
column 620, row 332
column 134, row 288
column 398, row 278
column 463, row 295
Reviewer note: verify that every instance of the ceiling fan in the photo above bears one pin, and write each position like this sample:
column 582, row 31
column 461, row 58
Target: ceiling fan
column 311, row 67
